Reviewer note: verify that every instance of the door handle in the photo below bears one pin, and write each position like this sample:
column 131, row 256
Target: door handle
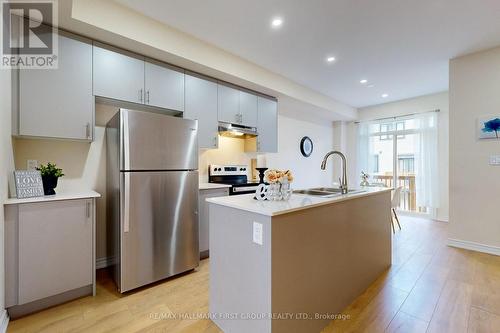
column 87, row 209
column 147, row 97
column 87, row 131
column 126, row 141
column 126, row 202
column 140, row 95
column 215, row 141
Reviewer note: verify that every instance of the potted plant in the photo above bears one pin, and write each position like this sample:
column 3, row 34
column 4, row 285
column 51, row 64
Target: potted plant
column 50, row 175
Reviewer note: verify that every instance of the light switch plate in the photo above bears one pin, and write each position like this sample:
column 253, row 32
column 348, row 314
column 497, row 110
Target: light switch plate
column 31, row 165
column 257, row 233
column 494, row 159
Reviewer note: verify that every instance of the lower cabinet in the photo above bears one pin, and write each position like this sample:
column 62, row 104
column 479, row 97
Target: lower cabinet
column 50, row 252
column 203, row 216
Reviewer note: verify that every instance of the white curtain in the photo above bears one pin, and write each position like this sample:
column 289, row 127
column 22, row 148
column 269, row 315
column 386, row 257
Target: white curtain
column 426, row 165
column 422, row 130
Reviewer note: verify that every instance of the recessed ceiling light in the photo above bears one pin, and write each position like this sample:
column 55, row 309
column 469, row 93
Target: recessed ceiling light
column 364, row 81
column 385, row 95
column 276, row 22
column 330, row 59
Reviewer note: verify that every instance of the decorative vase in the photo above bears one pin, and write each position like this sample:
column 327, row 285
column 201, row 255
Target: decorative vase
column 285, row 190
column 49, row 184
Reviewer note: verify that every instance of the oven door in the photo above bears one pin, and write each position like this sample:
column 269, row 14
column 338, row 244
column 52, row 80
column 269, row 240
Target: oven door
column 236, row 190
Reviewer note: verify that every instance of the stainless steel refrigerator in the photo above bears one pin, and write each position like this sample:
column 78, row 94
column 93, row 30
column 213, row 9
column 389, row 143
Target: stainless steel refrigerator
column 152, row 196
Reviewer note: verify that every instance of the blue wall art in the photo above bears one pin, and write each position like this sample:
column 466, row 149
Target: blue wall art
column 489, row 127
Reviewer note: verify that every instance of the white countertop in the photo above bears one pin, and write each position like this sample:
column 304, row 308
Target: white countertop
column 211, row 186
column 297, row 201
column 55, row 197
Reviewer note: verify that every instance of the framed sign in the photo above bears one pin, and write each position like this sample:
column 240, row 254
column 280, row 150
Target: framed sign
column 28, row 184
column 306, row 146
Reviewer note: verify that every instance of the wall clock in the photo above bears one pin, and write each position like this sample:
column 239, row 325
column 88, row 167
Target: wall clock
column 306, row 146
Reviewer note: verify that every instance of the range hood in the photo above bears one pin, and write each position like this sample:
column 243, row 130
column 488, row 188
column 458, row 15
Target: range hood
column 237, row 131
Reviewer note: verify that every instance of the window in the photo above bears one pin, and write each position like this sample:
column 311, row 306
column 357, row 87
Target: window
column 388, row 127
column 384, row 128
column 402, row 152
column 406, row 164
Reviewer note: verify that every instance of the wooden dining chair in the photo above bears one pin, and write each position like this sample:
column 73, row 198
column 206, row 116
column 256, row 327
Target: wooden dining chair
column 395, row 204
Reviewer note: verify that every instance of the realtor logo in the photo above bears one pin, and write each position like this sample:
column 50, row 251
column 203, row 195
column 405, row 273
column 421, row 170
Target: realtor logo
column 29, row 36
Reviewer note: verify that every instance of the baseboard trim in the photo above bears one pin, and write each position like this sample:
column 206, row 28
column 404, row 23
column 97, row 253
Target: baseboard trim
column 4, row 321
column 473, row 246
column 104, row 262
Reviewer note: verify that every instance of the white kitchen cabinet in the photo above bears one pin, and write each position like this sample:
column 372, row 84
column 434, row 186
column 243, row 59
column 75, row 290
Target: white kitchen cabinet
column 55, row 248
column 267, row 125
column 117, row 75
column 201, row 104
column 204, row 218
column 164, row 86
column 248, row 109
column 58, row 103
column 229, row 104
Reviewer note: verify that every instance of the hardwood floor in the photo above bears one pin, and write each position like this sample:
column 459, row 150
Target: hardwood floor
column 429, row 288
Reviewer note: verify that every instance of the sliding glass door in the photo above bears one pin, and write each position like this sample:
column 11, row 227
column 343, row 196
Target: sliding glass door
column 399, row 153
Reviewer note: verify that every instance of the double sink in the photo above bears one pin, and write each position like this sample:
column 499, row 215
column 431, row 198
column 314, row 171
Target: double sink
column 326, row 192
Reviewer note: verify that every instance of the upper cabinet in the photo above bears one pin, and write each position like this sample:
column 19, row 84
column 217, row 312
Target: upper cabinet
column 229, row 105
column 132, row 79
column 201, row 104
column 237, row 106
column 164, row 86
column 248, row 109
column 118, row 76
column 267, row 125
column 57, row 103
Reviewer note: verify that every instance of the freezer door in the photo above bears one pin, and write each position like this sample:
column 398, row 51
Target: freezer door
column 159, row 226
column 152, row 141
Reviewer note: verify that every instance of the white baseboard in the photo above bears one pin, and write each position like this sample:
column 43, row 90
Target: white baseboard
column 474, row 246
column 104, row 262
column 4, row 321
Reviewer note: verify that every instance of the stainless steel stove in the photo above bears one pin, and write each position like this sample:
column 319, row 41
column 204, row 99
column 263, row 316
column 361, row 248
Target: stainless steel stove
column 234, row 175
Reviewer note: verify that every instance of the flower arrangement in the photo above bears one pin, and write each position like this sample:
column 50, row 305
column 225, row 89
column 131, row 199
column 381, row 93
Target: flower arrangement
column 279, row 184
column 274, row 176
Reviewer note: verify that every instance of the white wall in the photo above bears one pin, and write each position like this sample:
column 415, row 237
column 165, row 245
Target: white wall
column 6, row 164
column 410, row 106
column 474, row 184
column 306, row 170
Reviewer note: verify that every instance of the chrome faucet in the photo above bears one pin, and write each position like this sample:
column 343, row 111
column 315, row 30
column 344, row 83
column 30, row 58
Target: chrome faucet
column 343, row 182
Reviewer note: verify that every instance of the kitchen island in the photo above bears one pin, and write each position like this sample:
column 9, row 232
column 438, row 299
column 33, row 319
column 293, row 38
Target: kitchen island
column 291, row 266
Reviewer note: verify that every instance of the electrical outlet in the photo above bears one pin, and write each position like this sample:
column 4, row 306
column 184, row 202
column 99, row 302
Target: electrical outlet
column 31, row 164
column 495, row 160
column 257, row 233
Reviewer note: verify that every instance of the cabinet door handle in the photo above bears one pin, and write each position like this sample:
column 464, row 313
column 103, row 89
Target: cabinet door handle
column 215, row 141
column 87, row 210
column 147, row 97
column 140, row 95
column 87, row 131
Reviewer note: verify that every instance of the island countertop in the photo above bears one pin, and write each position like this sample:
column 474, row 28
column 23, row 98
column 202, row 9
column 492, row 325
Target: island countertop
column 297, row 201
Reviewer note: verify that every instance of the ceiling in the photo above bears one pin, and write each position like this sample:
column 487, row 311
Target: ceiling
column 402, row 47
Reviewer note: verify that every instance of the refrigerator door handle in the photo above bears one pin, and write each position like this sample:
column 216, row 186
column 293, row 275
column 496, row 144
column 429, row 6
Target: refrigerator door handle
column 126, row 203
column 126, row 142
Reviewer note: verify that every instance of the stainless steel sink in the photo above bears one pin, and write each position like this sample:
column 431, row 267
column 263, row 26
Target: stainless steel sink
column 325, row 191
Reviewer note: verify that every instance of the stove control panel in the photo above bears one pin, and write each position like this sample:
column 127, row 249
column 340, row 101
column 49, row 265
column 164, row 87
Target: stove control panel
column 227, row 170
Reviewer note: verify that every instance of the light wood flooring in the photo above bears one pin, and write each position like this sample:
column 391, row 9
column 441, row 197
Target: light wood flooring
column 429, row 288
